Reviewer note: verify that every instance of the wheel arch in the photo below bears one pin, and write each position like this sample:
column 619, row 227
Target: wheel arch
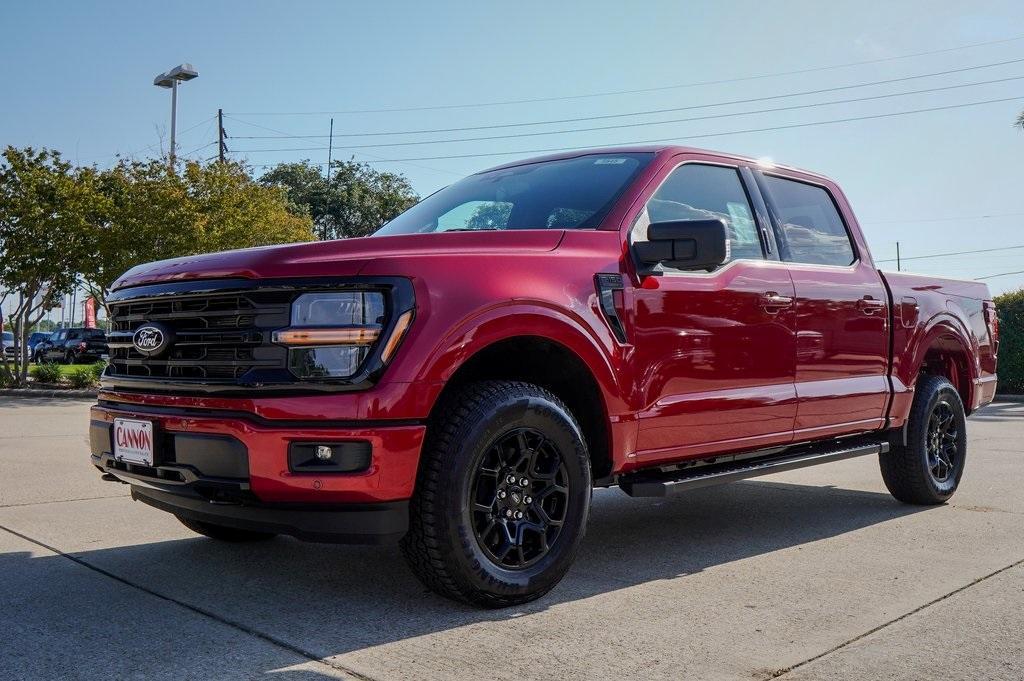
column 540, row 347
column 945, row 349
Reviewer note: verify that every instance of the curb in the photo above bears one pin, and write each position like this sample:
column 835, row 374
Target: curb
column 1009, row 398
column 32, row 392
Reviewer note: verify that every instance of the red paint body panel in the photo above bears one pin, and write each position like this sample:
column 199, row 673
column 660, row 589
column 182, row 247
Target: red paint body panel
column 391, row 476
column 705, row 369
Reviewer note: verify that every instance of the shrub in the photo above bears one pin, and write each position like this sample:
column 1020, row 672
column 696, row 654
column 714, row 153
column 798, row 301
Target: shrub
column 1011, row 342
column 97, row 369
column 47, row 373
column 81, row 377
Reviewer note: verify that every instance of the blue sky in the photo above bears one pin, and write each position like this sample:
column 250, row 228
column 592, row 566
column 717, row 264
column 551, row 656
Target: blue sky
column 78, row 78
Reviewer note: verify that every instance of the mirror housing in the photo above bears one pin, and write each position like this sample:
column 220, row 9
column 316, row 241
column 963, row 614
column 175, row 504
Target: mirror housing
column 685, row 244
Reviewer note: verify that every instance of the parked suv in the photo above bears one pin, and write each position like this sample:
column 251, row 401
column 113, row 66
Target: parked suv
column 10, row 350
column 653, row 318
column 71, row 346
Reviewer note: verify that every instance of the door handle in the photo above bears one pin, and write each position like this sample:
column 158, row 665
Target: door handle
column 772, row 302
column 869, row 305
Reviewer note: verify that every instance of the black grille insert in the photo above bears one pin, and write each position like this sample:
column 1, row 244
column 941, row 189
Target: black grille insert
column 218, row 337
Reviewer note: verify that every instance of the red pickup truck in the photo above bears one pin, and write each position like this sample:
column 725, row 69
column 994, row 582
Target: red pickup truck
column 656, row 319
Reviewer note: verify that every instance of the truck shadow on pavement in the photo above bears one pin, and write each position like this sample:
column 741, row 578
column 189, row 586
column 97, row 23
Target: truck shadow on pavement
column 328, row 600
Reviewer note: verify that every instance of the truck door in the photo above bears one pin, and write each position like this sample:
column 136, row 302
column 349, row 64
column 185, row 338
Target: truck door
column 714, row 351
column 842, row 313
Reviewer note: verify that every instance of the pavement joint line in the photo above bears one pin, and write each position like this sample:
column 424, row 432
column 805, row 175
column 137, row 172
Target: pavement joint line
column 256, row 633
column 62, row 501
column 954, row 592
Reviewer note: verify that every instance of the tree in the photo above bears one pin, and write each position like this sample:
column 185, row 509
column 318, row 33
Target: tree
column 354, row 201
column 153, row 215
column 1020, row 121
column 1010, row 307
column 47, row 207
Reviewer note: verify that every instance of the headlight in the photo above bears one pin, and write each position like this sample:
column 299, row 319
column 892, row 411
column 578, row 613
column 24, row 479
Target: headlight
column 332, row 333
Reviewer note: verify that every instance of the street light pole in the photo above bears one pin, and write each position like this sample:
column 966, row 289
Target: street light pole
column 170, row 80
column 174, row 117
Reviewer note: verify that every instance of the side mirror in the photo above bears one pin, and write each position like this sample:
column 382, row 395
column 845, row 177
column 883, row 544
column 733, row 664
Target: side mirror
column 685, row 244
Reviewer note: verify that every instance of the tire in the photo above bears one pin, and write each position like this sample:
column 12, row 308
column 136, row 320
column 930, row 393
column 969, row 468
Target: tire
column 69, row 357
column 927, row 470
column 222, row 533
column 497, row 438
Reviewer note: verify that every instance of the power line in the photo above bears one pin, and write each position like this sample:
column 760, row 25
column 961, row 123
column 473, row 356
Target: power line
column 943, row 255
column 850, row 119
column 620, row 126
column 647, row 112
column 376, row 158
column 968, row 217
column 535, row 100
column 1001, row 274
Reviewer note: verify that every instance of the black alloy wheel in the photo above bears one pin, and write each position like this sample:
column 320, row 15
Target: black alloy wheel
column 942, row 442
column 519, row 498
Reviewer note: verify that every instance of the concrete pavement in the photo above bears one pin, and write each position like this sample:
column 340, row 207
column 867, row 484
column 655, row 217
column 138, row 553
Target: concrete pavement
column 816, row 573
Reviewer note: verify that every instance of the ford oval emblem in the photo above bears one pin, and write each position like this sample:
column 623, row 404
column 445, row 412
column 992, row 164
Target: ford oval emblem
column 152, row 339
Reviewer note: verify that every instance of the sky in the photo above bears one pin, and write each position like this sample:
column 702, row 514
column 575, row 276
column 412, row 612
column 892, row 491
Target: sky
column 78, row 78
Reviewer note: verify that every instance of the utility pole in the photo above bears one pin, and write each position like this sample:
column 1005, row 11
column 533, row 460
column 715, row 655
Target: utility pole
column 221, row 147
column 330, row 148
column 898, row 257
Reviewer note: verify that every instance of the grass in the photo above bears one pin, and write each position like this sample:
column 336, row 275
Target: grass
column 78, row 375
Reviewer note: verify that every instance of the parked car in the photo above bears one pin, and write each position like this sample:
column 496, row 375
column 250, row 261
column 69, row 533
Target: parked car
column 34, row 338
column 657, row 319
column 71, row 346
column 8, row 344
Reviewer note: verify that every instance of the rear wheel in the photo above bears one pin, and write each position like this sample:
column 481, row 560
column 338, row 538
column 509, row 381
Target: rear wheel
column 502, row 496
column 69, row 357
column 927, row 470
column 222, row 533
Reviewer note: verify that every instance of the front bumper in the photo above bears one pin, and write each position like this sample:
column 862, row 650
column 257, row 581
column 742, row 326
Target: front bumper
column 379, row 523
column 232, row 468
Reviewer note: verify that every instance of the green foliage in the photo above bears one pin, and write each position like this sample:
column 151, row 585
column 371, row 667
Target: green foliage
column 6, row 379
column 152, row 214
column 491, row 215
column 97, row 369
column 81, row 377
column 47, row 210
column 1020, row 121
column 355, row 201
column 47, row 373
column 1010, row 307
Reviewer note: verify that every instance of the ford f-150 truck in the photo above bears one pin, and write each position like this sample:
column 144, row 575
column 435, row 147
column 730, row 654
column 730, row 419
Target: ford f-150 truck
column 656, row 319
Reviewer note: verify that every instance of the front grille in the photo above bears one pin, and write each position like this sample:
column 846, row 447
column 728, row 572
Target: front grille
column 218, row 337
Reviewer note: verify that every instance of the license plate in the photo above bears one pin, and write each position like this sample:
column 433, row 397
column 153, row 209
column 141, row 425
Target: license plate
column 133, row 441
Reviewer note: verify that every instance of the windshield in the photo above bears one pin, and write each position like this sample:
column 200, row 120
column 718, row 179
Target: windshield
column 8, row 336
column 572, row 193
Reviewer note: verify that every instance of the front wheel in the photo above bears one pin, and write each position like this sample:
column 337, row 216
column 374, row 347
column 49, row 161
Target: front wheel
column 502, row 497
column 927, row 470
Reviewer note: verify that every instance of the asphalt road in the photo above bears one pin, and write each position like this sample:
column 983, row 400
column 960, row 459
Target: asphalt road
column 813, row 574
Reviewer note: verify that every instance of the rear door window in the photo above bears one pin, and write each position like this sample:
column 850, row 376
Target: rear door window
column 810, row 227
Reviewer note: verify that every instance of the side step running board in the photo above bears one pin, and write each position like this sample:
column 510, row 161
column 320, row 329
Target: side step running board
column 676, row 482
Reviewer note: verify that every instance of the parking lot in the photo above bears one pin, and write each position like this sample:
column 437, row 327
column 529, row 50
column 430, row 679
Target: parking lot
column 812, row 574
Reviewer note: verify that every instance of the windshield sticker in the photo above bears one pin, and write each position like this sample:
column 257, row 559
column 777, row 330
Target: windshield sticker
column 610, row 161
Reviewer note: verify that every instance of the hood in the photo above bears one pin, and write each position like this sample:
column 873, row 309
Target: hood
column 340, row 258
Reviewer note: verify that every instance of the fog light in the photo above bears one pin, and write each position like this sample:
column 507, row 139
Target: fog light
column 324, row 453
